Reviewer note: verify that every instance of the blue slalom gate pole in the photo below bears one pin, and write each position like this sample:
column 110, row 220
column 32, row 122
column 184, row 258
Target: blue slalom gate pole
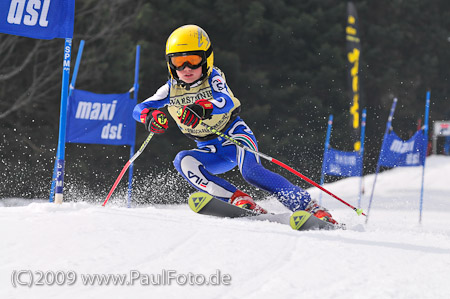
column 361, row 153
column 136, row 89
column 327, row 144
column 71, row 87
column 388, row 127
column 58, row 198
column 77, row 66
column 425, row 147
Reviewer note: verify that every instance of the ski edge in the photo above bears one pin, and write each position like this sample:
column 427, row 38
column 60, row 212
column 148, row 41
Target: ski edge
column 206, row 204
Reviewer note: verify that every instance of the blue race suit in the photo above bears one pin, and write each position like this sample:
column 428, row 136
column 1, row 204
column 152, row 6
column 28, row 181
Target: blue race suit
column 215, row 155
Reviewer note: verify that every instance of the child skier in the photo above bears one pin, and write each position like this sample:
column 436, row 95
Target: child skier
column 196, row 90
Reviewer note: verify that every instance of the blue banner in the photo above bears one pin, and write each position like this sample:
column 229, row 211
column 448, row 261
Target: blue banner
column 339, row 163
column 100, row 118
column 397, row 152
column 41, row 19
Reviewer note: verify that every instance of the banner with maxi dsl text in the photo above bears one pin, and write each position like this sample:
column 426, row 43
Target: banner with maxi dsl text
column 345, row 164
column 41, row 19
column 100, row 118
column 397, row 152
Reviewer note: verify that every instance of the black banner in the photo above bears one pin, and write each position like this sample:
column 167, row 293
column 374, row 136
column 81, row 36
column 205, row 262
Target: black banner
column 353, row 55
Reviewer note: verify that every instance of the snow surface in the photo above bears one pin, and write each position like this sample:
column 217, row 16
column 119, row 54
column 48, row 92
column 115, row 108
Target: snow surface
column 393, row 256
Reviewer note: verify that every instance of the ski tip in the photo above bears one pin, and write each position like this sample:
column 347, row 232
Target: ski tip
column 302, row 220
column 298, row 219
column 198, row 200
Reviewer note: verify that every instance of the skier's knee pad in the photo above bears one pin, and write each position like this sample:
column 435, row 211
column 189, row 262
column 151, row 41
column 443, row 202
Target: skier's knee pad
column 196, row 174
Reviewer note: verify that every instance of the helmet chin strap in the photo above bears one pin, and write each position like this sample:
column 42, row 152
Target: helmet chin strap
column 187, row 86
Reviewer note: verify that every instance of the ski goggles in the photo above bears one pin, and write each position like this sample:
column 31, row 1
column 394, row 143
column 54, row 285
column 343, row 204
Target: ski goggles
column 193, row 61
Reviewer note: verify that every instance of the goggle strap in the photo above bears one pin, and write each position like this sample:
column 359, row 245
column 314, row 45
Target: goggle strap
column 209, row 51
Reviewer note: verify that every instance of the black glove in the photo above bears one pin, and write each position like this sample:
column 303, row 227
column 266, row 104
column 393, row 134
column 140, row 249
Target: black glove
column 190, row 115
column 154, row 120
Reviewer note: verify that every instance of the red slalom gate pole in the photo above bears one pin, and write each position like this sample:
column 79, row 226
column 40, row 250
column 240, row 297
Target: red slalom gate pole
column 141, row 149
column 358, row 211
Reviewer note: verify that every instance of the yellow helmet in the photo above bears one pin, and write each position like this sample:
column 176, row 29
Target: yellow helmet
column 189, row 40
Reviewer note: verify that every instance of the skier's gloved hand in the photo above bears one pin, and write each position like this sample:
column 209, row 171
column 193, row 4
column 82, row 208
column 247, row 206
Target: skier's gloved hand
column 190, row 115
column 154, row 120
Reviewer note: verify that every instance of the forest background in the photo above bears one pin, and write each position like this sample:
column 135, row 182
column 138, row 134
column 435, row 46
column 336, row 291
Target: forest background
column 285, row 60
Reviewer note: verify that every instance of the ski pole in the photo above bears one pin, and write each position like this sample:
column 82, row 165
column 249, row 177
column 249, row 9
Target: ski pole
column 141, row 149
column 212, row 130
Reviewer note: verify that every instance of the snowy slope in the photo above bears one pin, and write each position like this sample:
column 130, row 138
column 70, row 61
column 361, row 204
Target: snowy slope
column 390, row 257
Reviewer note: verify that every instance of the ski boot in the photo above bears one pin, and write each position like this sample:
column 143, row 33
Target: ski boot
column 243, row 200
column 320, row 212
